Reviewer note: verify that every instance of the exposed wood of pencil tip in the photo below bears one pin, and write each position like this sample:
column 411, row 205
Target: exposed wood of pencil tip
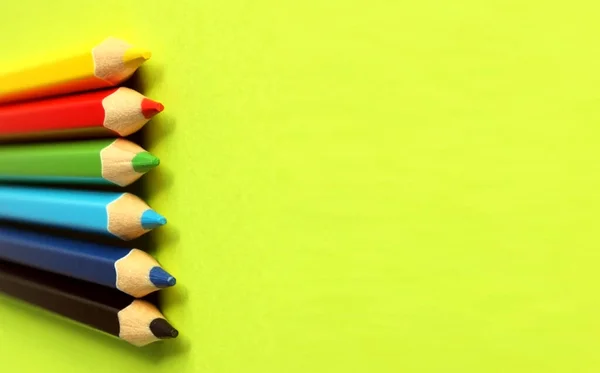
column 131, row 269
column 135, row 323
column 123, row 111
column 117, row 162
column 116, row 60
column 125, row 216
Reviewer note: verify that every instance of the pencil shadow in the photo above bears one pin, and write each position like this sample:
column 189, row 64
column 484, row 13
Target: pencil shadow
column 145, row 76
column 168, row 349
column 155, row 131
column 158, row 179
column 172, row 297
column 164, row 237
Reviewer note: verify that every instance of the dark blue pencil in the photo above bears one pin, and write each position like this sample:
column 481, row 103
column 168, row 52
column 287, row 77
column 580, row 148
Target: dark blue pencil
column 130, row 270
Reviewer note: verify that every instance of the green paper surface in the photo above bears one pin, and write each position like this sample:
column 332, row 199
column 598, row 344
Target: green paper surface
column 381, row 186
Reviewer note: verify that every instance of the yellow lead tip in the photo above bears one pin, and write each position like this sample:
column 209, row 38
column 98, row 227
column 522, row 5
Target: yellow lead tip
column 135, row 53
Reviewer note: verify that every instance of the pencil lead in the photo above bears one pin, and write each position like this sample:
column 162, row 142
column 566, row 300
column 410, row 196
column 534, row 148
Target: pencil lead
column 152, row 219
column 150, row 108
column 162, row 329
column 136, row 53
column 161, row 278
column 144, row 162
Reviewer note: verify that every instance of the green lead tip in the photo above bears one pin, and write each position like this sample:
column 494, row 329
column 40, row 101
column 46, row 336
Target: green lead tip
column 144, row 162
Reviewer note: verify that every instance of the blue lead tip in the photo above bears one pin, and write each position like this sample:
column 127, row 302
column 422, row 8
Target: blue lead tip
column 161, row 278
column 152, row 219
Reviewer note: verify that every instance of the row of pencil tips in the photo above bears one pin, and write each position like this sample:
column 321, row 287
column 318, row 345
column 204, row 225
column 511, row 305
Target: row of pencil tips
column 61, row 122
column 45, row 103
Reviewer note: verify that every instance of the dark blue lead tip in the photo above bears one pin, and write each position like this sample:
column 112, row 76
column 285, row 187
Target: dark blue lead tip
column 152, row 219
column 161, row 278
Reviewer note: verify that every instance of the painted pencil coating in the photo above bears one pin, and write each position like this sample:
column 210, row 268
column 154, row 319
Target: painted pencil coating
column 128, row 217
column 130, row 270
column 138, row 274
column 110, row 112
column 140, row 317
column 106, row 64
column 123, row 162
column 126, row 111
column 117, row 214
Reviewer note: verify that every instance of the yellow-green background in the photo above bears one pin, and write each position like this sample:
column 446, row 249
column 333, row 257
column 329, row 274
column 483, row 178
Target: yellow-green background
column 373, row 186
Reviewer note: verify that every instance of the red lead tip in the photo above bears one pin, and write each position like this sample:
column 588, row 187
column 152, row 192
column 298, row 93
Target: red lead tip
column 151, row 108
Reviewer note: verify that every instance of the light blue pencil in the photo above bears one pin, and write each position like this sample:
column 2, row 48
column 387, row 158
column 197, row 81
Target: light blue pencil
column 118, row 214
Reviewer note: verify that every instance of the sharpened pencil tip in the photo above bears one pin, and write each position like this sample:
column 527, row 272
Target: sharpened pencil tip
column 152, row 219
column 162, row 329
column 136, row 53
column 144, row 162
column 150, row 108
column 161, row 278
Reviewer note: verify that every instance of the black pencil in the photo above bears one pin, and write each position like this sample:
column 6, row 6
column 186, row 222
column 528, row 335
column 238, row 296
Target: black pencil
column 133, row 320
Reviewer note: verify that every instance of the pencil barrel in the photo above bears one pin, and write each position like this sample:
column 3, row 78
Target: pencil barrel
column 132, row 271
column 106, row 162
column 60, row 162
column 106, row 113
column 104, row 65
column 117, row 214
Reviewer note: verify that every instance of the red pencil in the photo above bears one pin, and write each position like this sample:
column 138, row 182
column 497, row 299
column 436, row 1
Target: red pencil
column 110, row 112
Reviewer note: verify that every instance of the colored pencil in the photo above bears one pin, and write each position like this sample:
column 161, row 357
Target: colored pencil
column 108, row 161
column 135, row 321
column 108, row 112
column 104, row 65
column 117, row 214
column 130, row 270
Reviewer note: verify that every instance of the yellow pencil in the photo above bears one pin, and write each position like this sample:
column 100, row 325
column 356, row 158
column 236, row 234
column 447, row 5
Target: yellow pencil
column 104, row 65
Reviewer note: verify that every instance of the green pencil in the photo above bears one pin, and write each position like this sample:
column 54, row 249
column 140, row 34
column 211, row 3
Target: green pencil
column 119, row 162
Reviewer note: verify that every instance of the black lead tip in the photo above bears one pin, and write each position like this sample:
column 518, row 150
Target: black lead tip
column 162, row 329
